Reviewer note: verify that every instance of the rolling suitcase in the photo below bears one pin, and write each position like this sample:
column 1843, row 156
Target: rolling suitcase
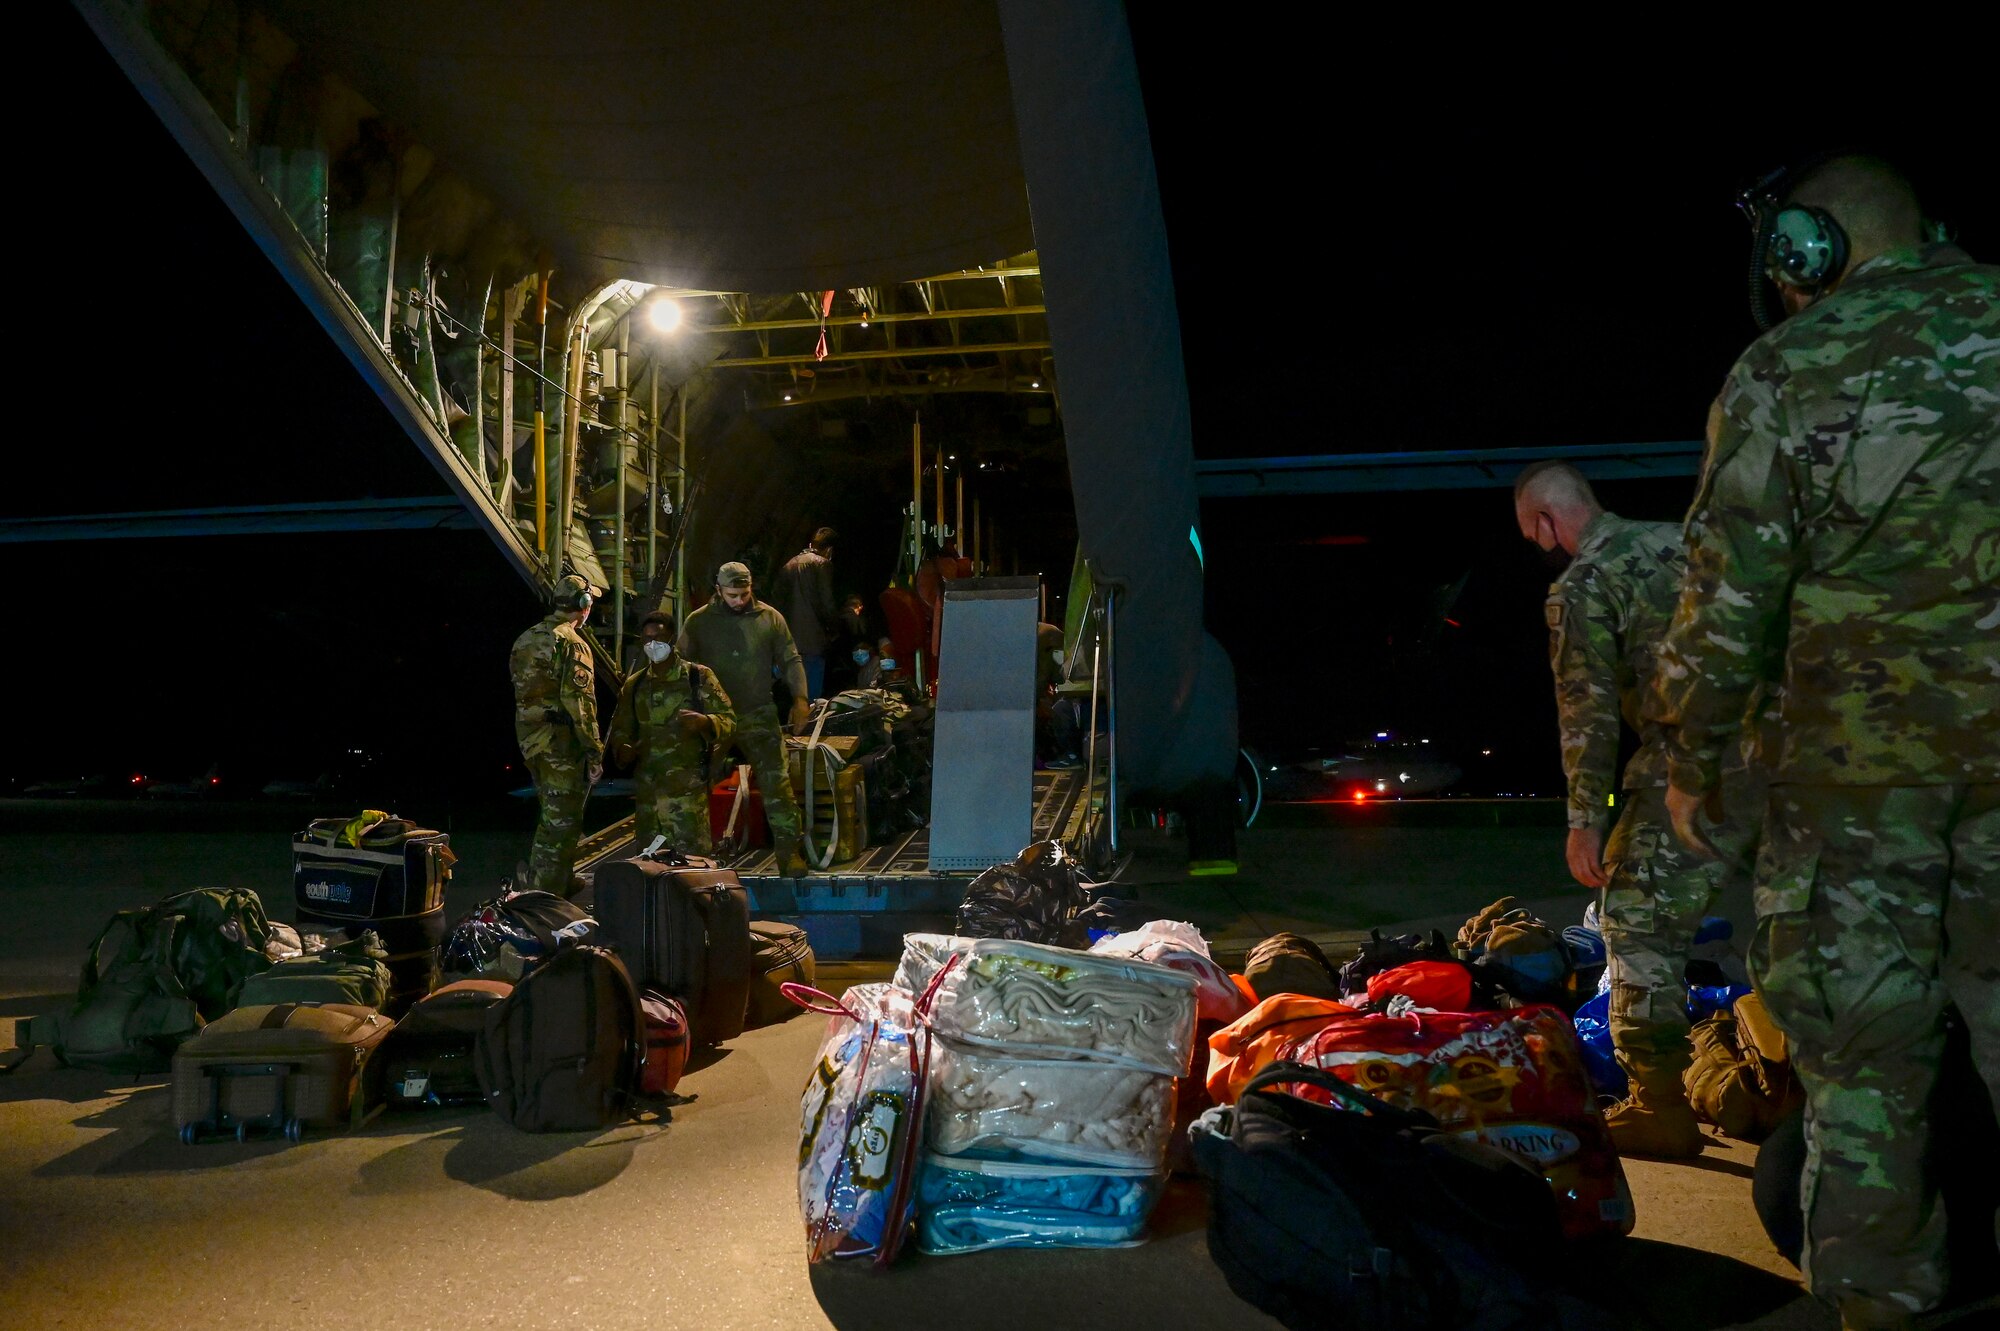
column 428, row 1059
column 683, row 927
column 273, row 1070
column 782, row 955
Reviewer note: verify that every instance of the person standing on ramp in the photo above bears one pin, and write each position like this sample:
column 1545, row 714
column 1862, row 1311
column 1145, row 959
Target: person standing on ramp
column 555, row 720
column 748, row 644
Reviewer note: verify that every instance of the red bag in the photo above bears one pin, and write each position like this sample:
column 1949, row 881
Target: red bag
column 666, row 1042
column 1509, row 1079
column 1444, row 985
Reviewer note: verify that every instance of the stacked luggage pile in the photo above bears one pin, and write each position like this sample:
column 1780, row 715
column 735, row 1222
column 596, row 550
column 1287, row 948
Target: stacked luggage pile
column 557, row 1019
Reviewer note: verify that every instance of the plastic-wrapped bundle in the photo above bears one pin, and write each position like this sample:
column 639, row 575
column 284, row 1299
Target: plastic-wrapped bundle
column 1180, row 946
column 1035, row 1000
column 967, row 1204
column 857, row 1118
column 1048, row 1109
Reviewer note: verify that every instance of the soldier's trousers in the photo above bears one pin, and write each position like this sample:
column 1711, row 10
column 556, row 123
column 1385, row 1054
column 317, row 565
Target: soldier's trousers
column 672, row 804
column 760, row 738
column 562, row 784
column 1876, row 907
column 1659, row 893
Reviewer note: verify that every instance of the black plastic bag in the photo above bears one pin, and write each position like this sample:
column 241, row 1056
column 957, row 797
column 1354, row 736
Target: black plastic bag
column 1034, row 898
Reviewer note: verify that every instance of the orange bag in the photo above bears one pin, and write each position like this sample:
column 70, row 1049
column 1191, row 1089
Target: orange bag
column 1239, row 1051
column 1509, row 1079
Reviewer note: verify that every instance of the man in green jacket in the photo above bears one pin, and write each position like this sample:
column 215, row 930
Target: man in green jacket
column 1850, row 507
column 671, row 716
column 1606, row 615
column 555, row 721
column 748, row 644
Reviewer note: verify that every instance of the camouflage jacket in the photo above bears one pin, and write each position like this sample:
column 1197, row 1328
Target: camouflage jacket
column 1606, row 615
column 1849, row 507
column 746, row 652
column 649, row 706
column 554, row 687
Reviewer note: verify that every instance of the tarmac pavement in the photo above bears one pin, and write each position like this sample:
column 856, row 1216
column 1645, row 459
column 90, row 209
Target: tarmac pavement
column 452, row 1219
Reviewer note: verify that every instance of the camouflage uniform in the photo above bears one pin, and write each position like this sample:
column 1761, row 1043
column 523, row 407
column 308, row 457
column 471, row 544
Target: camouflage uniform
column 555, row 720
column 671, row 776
column 747, row 652
column 1851, row 502
column 1606, row 616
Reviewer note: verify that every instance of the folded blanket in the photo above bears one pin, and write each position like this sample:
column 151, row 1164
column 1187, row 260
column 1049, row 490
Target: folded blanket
column 966, row 1205
column 1048, row 1109
column 1032, row 999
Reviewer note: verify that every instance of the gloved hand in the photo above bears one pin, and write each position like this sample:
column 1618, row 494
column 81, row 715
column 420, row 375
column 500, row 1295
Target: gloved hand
column 626, row 754
column 596, row 769
column 692, row 722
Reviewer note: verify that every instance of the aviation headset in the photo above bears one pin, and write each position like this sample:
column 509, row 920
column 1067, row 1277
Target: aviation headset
column 568, row 596
column 1795, row 244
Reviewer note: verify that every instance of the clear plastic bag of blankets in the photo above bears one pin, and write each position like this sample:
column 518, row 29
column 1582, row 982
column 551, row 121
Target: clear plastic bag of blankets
column 1070, row 1111
column 1036, row 1000
column 857, row 1119
column 969, row 1204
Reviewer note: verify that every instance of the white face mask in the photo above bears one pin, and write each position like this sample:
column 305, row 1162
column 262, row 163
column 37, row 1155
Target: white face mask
column 1056, row 656
column 657, row 651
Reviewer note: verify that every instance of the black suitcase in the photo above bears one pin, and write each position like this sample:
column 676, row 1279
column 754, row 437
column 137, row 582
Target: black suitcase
column 393, row 883
column 428, row 1058
column 682, row 926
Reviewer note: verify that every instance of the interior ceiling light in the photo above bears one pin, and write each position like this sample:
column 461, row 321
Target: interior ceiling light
column 664, row 315
column 1036, row 384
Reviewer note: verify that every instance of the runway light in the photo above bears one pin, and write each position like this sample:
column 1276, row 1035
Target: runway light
column 664, row 315
column 1486, row 753
column 1381, row 734
column 1402, row 776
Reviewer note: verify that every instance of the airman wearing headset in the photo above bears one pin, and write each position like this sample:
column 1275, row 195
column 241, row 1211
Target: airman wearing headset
column 1849, row 508
column 555, row 720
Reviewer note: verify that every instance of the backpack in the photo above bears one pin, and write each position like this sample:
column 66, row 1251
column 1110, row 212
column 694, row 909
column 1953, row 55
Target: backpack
column 1290, row 964
column 153, row 977
column 1516, row 951
column 566, row 1050
column 1380, row 954
column 1327, row 1218
column 354, row 973
column 507, row 937
column 1741, row 1079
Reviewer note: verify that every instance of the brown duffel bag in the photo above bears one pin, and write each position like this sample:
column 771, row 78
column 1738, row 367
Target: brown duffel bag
column 1290, row 964
column 1741, row 1079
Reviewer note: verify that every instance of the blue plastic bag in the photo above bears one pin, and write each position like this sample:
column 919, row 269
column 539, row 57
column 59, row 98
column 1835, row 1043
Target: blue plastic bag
column 1706, row 998
column 1593, row 1033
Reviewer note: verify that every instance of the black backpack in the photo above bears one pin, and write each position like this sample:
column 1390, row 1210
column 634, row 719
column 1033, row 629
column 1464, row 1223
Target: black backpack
column 1380, row 954
column 564, row 1051
column 1328, row 1218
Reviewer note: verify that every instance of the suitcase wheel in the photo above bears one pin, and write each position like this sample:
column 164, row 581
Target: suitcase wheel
column 187, row 1134
column 242, row 1132
column 295, row 1130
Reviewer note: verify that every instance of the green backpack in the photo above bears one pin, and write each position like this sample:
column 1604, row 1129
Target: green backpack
column 354, row 972
column 152, row 978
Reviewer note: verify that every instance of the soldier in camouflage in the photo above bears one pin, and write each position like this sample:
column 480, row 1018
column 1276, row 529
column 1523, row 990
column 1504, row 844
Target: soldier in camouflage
column 748, row 645
column 555, row 720
column 1606, row 615
column 671, row 716
column 1850, row 502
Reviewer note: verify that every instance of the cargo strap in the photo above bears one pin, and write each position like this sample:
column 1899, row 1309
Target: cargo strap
column 834, row 762
column 736, row 807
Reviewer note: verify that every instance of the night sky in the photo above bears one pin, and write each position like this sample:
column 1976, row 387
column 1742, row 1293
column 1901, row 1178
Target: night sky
column 1436, row 264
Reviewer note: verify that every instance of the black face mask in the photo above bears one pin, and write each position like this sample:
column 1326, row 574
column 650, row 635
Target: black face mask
column 1555, row 560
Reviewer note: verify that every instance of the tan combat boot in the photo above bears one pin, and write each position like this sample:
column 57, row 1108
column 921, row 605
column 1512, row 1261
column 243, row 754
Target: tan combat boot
column 1655, row 1119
